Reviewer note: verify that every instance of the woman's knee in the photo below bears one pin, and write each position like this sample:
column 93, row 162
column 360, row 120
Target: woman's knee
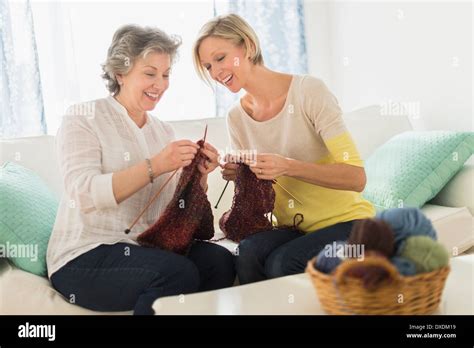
column 174, row 272
column 274, row 267
column 292, row 258
column 205, row 252
column 215, row 264
column 188, row 277
column 249, row 262
column 246, row 253
column 283, row 262
column 220, row 253
column 222, row 259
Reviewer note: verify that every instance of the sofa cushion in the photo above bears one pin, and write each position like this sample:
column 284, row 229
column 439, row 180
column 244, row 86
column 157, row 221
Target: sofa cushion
column 38, row 154
column 359, row 122
column 27, row 214
column 412, row 167
column 23, row 293
column 454, row 227
column 459, row 191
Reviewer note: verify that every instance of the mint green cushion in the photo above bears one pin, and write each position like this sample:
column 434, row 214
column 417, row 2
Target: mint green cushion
column 27, row 215
column 412, row 167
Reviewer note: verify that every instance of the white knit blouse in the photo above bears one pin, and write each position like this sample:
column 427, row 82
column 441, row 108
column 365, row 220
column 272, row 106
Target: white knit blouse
column 96, row 139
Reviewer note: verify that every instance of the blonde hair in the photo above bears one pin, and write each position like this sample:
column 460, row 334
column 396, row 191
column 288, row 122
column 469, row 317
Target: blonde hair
column 228, row 27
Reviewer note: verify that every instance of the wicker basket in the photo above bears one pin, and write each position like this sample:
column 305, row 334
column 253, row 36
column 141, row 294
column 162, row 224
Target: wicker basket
column 340, row 294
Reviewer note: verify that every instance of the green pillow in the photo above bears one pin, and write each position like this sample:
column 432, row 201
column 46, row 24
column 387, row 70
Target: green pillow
column 412, row 167
column 27, row 215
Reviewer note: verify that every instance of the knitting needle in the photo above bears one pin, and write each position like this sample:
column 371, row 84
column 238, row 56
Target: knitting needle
column 205, row 134
column 222, row 194
column 273, row 181
column 127, row 231
column 284, row 189
column 296, row 199
column 227, row 183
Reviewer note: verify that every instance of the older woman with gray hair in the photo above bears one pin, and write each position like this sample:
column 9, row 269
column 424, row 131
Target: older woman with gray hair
column 114, row 156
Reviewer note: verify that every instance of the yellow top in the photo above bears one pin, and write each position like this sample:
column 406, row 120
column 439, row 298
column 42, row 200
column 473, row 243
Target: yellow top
column 309, row 128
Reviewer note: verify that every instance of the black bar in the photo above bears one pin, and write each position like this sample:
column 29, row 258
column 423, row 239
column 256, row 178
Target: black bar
column 242, row 330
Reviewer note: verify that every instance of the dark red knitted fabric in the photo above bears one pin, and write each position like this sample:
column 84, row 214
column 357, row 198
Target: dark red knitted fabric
column 253, row 198
column 178, row 226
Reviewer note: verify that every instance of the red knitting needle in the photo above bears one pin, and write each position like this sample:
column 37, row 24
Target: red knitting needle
column 205, row 134
column 127, row 231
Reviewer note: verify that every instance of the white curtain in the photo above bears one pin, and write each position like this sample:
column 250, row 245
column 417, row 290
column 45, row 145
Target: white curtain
column 21, row 101
column 58, row 61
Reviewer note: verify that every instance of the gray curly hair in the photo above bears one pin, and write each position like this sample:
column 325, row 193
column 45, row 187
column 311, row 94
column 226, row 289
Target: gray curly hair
column 131, row 42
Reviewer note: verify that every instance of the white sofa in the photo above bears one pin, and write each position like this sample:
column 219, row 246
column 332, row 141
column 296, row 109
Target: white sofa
column 23, row 293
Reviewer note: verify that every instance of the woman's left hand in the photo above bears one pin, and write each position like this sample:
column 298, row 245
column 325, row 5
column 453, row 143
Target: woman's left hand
column 212, row 161
column 269, row 166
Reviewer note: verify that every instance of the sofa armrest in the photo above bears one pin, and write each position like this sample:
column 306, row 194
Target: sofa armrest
column 459, row 191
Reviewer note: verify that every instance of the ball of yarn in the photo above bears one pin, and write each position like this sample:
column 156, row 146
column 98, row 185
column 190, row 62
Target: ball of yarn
column 404, row 266
column 372, row 276
column 330, row 257
column 407, row 222
column 373, row 235
column 425, row 253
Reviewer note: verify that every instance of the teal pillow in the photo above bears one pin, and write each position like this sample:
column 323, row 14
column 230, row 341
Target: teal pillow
column 412, row 167
column 27, row 214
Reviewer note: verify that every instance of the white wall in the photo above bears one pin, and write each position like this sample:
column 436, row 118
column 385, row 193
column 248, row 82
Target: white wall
column 396, row 54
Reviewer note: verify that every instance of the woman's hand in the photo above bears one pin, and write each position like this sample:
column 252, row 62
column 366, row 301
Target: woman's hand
column 229, row 171
column 212, row 161
column 175, row 155
column 269, row 166
column 229, row 168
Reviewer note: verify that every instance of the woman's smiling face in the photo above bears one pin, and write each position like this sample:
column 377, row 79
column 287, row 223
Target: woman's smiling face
column 142, row 87
column 226, row 63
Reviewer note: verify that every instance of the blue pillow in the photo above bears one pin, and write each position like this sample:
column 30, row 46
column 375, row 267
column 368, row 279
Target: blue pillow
column 412, row 167
column 27, row 214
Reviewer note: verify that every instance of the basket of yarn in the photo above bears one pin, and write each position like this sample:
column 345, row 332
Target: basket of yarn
column 392, row 264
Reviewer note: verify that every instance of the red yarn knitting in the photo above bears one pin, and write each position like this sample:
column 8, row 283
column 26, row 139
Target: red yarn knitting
column 178, row 226
column 253, row 198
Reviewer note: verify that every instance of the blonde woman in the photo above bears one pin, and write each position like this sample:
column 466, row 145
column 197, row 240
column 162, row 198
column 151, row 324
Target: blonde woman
column 114, row 156
column 296, row 126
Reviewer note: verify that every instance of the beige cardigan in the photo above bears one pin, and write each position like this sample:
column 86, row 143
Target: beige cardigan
column 95, row 140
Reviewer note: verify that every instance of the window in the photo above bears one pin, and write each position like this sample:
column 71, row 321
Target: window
column 73, row 38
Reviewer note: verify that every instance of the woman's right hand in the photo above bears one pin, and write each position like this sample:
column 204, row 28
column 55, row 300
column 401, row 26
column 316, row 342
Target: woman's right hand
column 175, row 155
column 229, row 171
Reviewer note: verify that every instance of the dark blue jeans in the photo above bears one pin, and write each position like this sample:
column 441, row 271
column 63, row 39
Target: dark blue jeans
column 122, row 276
column 281, row 252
